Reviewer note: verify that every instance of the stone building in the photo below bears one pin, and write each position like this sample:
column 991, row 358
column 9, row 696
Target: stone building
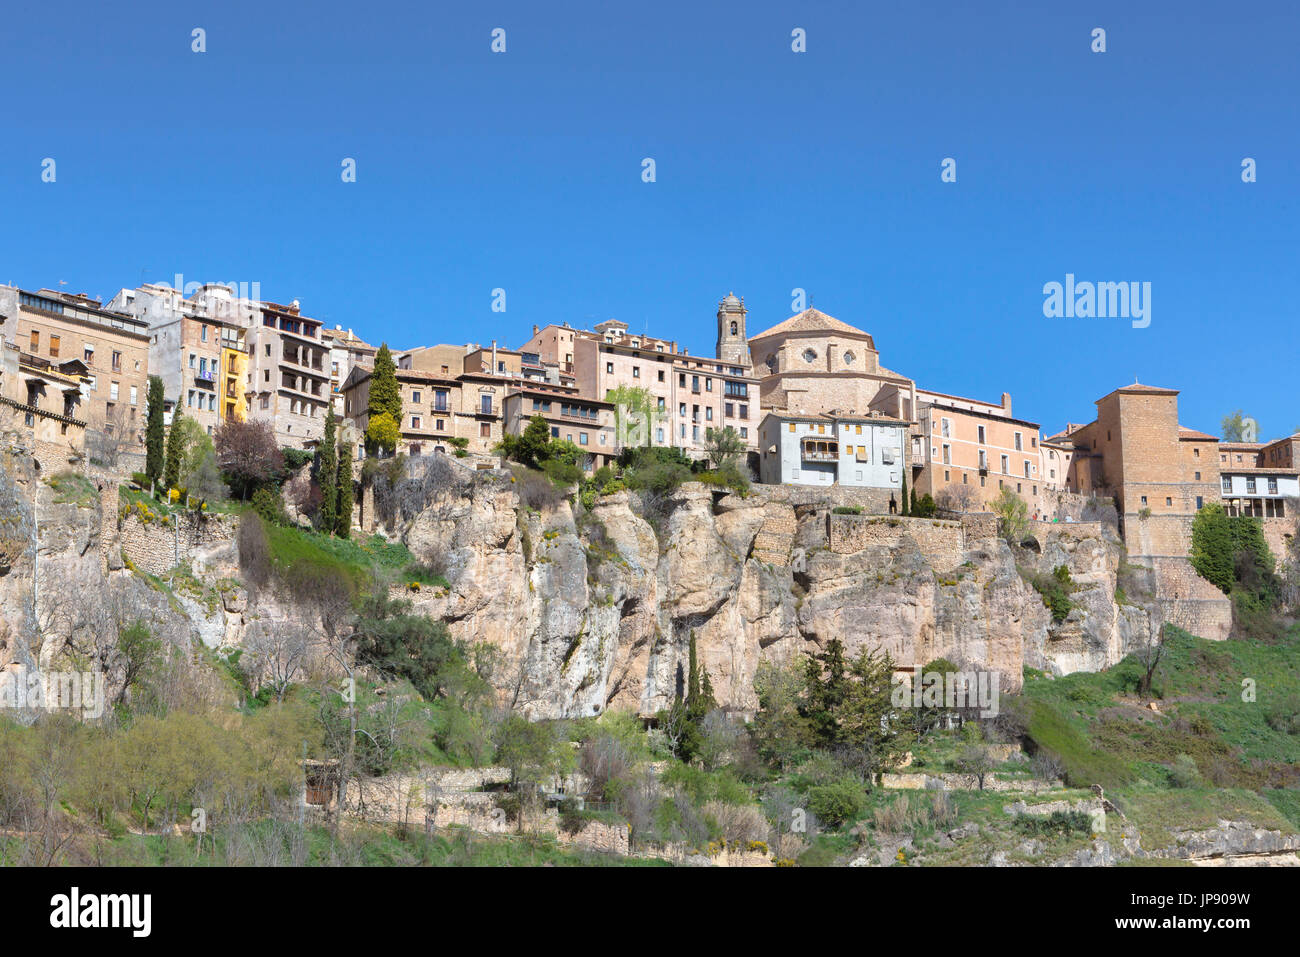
column 976, row 446
column 39, row 408
column 813, row 363
column 587, row 423
column 107, row 351
column 1262, row 479
column 1159, row 472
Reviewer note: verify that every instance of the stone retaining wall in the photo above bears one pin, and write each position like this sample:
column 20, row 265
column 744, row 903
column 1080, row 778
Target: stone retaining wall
column 942, row 542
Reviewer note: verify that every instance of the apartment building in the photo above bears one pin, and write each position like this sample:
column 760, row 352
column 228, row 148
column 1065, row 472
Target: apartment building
column 289, row 373
column 107, row 350
column 866, row 452
column 976, row 448
column 40, row 405
column 346, row 352
column 430, row 403
column 690, row 394
column 1262, row 479
column 587, row 423
column 1159, row 472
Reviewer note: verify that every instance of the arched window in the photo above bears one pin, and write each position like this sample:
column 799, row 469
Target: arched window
column 734, row 328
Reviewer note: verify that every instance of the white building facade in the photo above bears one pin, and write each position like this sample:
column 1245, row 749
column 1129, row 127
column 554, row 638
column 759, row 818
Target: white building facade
column 826, row 450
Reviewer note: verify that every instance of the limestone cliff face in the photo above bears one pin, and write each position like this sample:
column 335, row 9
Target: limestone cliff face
column 597, row 611
column 593, row 609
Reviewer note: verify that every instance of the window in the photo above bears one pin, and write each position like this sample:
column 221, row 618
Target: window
column 609, row 368
column 35, row 340
column 1272, row 486
column 1227, row 483
column 1199, row 502
column 947, row 428
column 744, row 432
column 485, row 430
column 661, row 375
column 984, row 460
column 791, row 426
column 112, row 391
column 636, row 372
column 1144, row 500
column 728, row 409
column 1006, row 465
column 1019, row 443
column 415, row 422
column 1198, row 476
column 203, row 333
column 439, row 425
column 1250, row 484
column 415, row 396
column 135, row 390
column 54, row 347
column 947, row 454
column 810, row 355
column 582, row 438
column 1168, row 500
column 708, row 385
column 88, row 354
column 1027, row 475
column 744, row 412
column 485, row 404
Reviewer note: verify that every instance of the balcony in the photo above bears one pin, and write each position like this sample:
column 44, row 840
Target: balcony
column 820, row 452
column 207, row 376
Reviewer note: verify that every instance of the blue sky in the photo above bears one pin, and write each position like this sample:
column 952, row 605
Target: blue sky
column 775, row 170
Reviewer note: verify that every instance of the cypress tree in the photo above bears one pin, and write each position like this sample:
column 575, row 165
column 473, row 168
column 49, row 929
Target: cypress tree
column 154, row 437
column 327, row 475
column 913, row 507
column 903, row 507
column 344, row 517
column 385, row 393
column 172, row 470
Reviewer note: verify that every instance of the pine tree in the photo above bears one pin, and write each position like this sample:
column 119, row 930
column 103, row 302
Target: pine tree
column 154, row 437
column 172, row 470
column 327, row 475
column 343, row 519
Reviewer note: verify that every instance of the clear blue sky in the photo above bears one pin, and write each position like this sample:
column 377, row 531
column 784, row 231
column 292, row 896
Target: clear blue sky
column 775, row 170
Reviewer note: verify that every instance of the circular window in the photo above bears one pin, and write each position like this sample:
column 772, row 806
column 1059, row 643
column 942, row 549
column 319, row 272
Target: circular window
column 848, row 358
column 810, row 355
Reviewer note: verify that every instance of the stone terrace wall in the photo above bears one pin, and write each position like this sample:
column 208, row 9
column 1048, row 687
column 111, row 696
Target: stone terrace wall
column 873, row 500
column 1073, row 530
column 163, row 543
column 979, row 527
column 1189, row 601
column 942, row 542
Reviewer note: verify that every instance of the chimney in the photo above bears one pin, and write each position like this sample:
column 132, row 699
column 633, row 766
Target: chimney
column 535, row 329
column 494, row 357
column 1006, row 402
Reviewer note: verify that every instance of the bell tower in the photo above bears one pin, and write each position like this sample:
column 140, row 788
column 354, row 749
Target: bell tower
column 733, row 346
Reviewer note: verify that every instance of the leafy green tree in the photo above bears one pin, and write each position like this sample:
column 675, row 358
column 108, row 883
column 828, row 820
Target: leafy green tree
column 154, row 437
column 781, row 730
column 1212, row 546
column 328, row 474
column 1013, row 515
column 175, row 452
column 382, row 433
column 634, row 407
column 534, row 752
column 204, row 484
column 343, row 516
column 1236, row 426
column 724, row 447
column 530, row 447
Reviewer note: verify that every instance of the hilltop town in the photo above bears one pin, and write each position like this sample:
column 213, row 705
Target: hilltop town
column 630, row 597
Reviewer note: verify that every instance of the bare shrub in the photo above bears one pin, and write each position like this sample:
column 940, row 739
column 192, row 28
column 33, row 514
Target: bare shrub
column 254, row 551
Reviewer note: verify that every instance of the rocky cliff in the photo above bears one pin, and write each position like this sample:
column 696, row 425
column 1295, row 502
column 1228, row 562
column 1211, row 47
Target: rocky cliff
column 594, row 607
column 596, row 610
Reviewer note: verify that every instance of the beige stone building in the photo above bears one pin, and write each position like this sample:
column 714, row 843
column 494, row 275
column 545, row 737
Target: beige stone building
column 39, row 408
column 346, row 352
column 975, row 447
column 1159, row 472
column 289, row 374
column 587, row 423
column 72, row 333
column 813, row 363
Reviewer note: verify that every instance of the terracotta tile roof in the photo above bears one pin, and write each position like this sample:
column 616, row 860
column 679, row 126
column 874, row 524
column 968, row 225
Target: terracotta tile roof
column 813, row 320
column 1191, row 435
